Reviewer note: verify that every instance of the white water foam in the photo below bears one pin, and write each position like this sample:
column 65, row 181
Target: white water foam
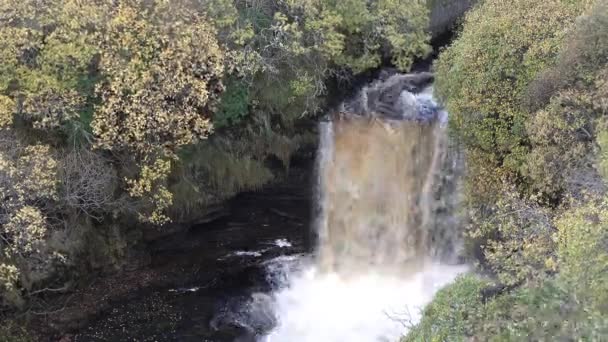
column 249, row 254
column 370, row 307
column 278, row 243
column 282, row 243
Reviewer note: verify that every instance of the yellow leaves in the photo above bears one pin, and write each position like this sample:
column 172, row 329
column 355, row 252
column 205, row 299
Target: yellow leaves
column 129, row 38
column 326, row 26
column 26, row 228
column 47, row 50
column 37, row 173
column 551, row 264
column 355, row 15
column 51, row 108
column 506, row 56
column 351, row 33
column 398, row 18
column 151, row 186
column 222, row 12
column 242, row 36
column 517, row 238
column 7, row 108
column 149, row 176
column 485, row 76
column 161, row 92
column 9, row 276
column 162, row 200
column 541, row 145
column 9, row 285
column 302, row 85
column 582, row 255
column 288, row 36
column 31, row 175
column 28, row 183
column 163, row 82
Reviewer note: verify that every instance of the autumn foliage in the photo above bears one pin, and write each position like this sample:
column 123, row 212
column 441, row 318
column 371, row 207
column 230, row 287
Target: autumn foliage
column 526, row 85
column 134, row 113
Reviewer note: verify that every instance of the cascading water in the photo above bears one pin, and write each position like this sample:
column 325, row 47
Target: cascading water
column 384, row 239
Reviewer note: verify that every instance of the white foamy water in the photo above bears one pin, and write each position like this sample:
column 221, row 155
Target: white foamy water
column 365, row 308
column 278, row 243
column 282, row 243
column 246, row 254
column 185, row 289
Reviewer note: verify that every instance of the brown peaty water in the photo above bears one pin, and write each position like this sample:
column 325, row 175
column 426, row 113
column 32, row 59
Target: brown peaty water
column 375, row 186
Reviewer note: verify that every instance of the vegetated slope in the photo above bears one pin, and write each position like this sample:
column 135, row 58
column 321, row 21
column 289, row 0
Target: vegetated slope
column 120, row 117
column 526, row 84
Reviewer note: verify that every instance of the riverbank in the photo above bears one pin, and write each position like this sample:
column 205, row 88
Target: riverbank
column 193, row 276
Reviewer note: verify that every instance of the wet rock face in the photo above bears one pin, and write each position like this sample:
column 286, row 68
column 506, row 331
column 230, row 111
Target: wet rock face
column 445, row 14
column 390, row 97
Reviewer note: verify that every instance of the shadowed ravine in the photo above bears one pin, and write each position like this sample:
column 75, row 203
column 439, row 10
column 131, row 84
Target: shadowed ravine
column 384, row 239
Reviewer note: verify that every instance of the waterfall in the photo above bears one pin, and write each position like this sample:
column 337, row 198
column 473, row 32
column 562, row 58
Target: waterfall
column 376, row 192
column 385, row 242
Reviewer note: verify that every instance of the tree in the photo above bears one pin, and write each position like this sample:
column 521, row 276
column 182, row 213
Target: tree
column 485, row 74
column 163, row 70
column 163, row 80
column 28, row 184
column 47, row 59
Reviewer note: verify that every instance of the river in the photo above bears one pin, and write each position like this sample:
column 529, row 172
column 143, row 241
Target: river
column 213, row 269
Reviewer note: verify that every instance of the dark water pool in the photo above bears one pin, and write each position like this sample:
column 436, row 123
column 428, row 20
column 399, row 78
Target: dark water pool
column 214, row 269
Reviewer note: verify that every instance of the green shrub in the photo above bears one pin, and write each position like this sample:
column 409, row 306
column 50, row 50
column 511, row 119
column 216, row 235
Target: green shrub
column 583, row 254
column 563, row 127
column 483, row 76
column 546, row 311
column 520, row 247
column 528, row 91
column 233, row 106
column 525, row 88
column 543, row 312
column 450, row 315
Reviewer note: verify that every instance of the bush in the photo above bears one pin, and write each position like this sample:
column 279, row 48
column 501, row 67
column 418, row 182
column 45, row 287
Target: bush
column 170, row 79
column 484, row 75
column 564, row 129
column 546, row 311
column 529, row 100
column 234, row 105
column 99, row 100
column 583, row 254
column 525, row 94
column 519, row 245
column 450, row 315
